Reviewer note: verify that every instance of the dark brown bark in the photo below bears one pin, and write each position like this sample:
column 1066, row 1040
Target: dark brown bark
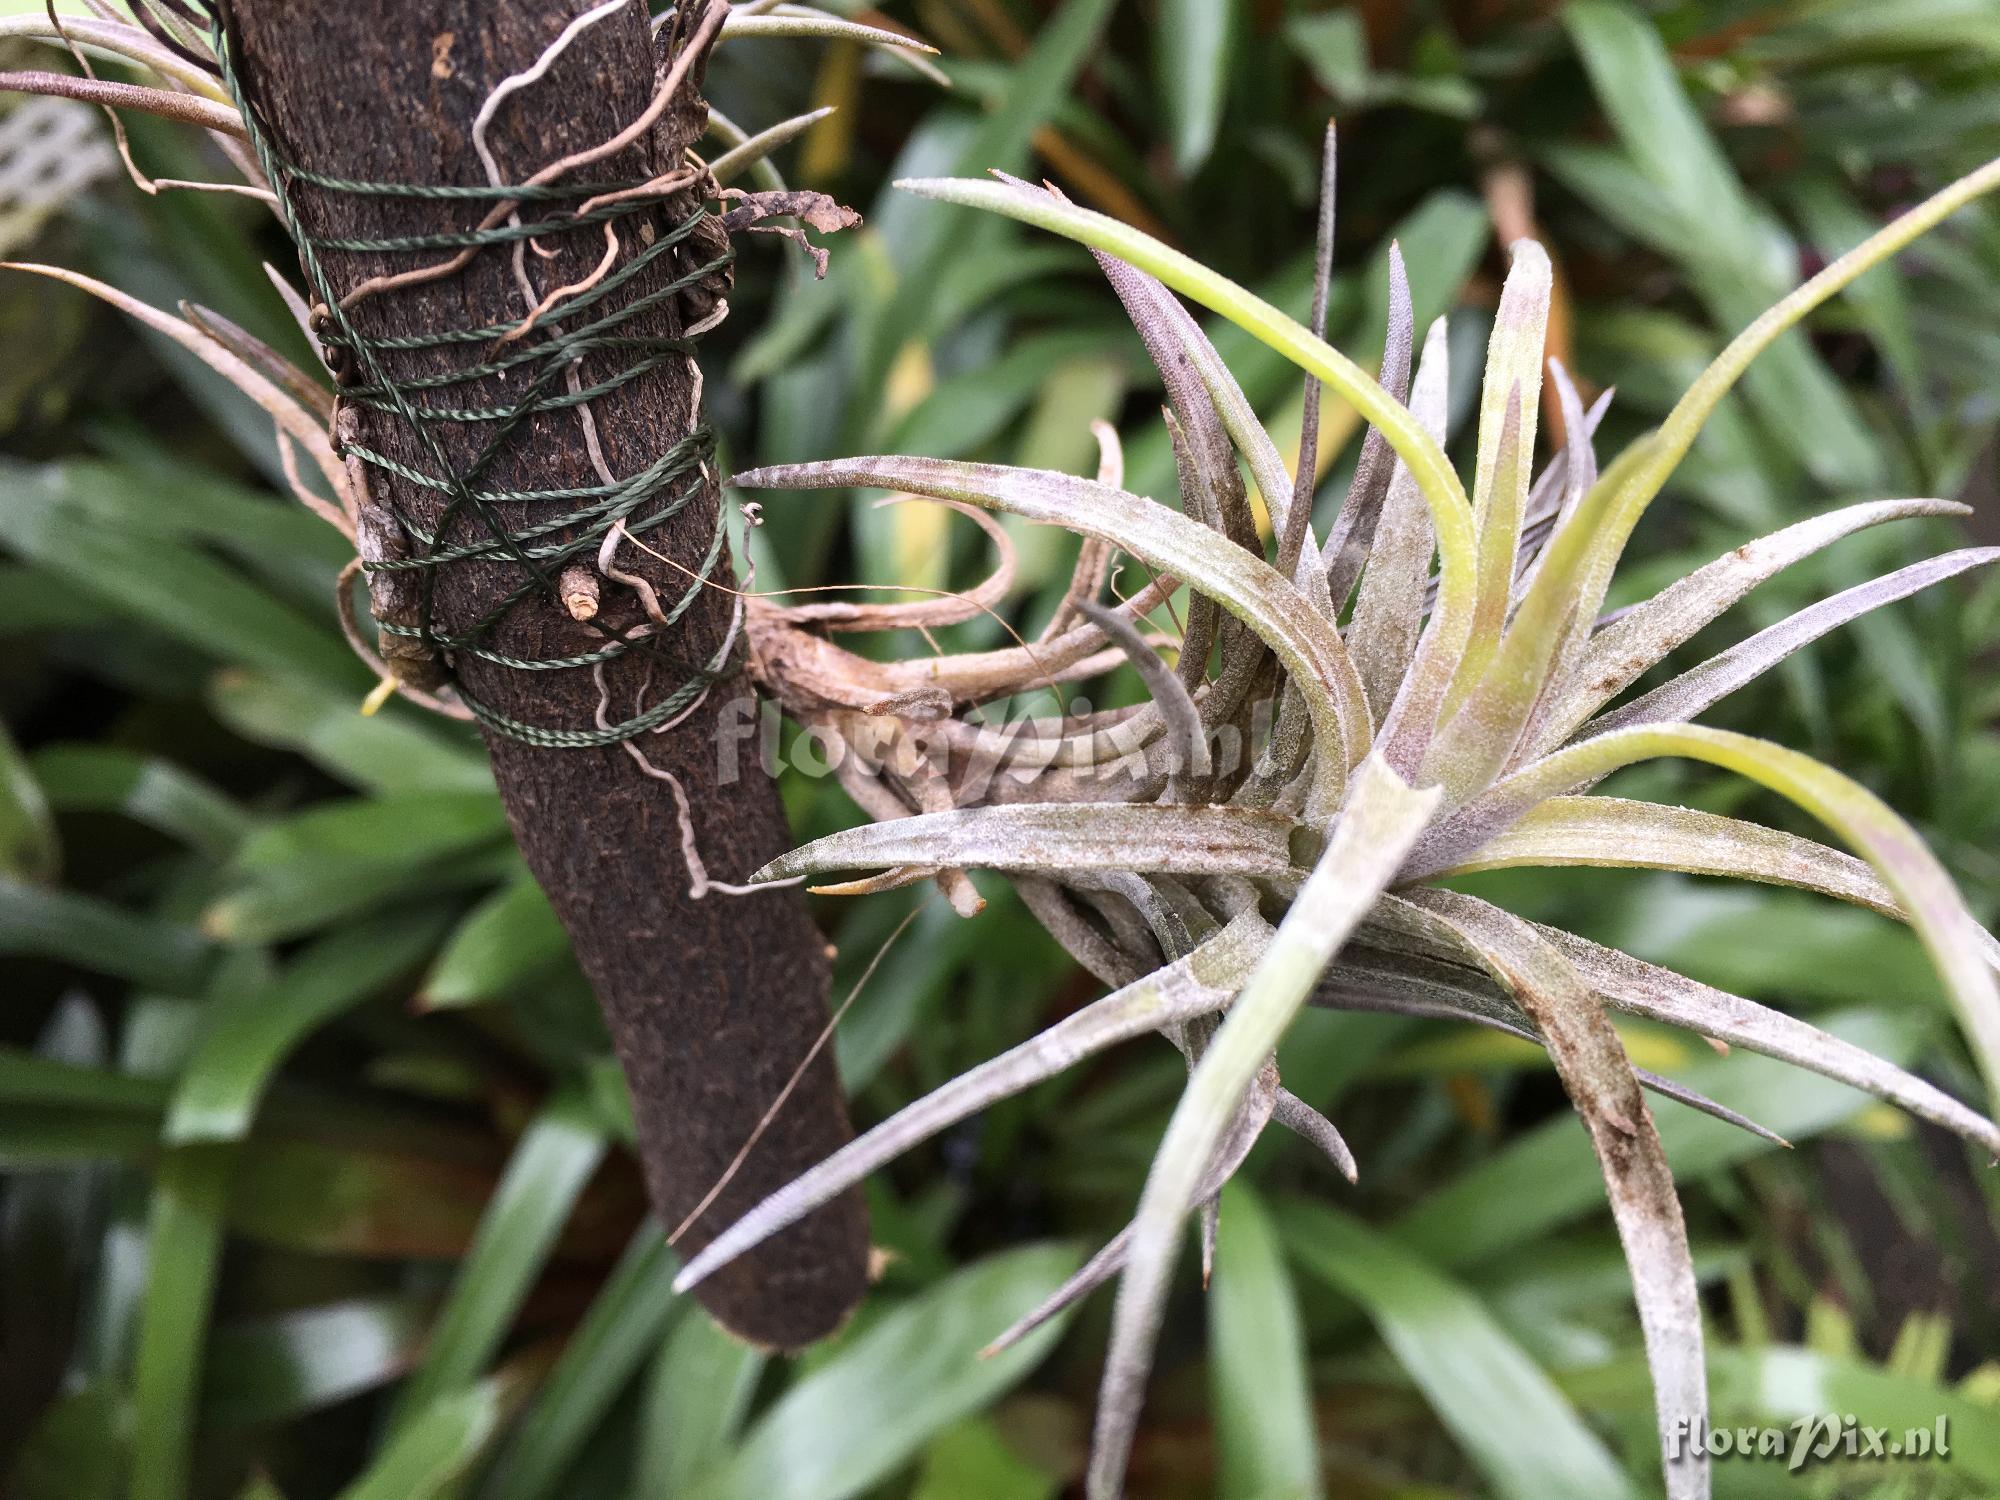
column 712, row 1003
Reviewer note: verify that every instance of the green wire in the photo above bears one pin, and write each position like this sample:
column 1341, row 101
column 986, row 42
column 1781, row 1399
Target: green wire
column 638, row 504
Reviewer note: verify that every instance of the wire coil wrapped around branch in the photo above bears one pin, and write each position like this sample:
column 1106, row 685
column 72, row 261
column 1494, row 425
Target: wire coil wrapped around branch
column 402, row 556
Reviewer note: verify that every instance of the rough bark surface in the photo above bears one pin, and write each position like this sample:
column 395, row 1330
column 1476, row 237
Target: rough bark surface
column 711, row 1003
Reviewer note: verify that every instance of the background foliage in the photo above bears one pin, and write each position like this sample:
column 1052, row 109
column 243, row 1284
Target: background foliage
column 316, row 1182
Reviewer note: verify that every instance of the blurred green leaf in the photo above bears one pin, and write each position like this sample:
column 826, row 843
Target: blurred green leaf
column 77, row 1450
column 1544, row 1179
column 974, row 1458
column 1335, row 46
column 165, row 584
column 29, row 1079
column 622, row 1327
column 431, row 1449
column 396, row 750
column 918, row 236
column 1192, row 46
column 275, row 1368
column 1736, row 255
column 1265, row 1437
column 247, row 1036
column 1786, row 1384
column 148, row 789
column 1514, row 1424
column 509, row 939
column 29, row 849
column 99, row 938
column 326, row 1198
column 183, row 1249
column 698, row 1393
column 343, row 858
column 553, row 1160
column 874, row 1399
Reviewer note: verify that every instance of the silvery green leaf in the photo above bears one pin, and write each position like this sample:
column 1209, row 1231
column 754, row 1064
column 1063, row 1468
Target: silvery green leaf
column 1151, row 306
column 1617, row 833
column 116, row 40
column 1643, row 635
column 1389, row 610
column 796, row 21
column 1178, row 348
column 755, row 150
column 1566, row 480
column 1475, row 740
column 1379, row 819
column 1187, row 742
column 1509, row 402
column 1247, row 586
column 1060, row 839
column 1259, row 1108
column 1169, row 915
column 1451, row 511
column 1642, row 989
column 1352, row 540
column 1196, row 985
column 294, row 422
column 1311, row 1126
column 1569, row 591
column 1957, row 946
column 1239, row 420
column 1699, row 688
column 1598, row 1076
column 1298, row 517
column 1420, row 985
column 1092, row 1274
column 1102, row 959
column 1626, row 501
column 1549, row 502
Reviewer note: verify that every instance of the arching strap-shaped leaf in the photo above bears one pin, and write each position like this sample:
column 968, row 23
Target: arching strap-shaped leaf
column 1245, row 585
column 1691, row 412
column 1451, row 511
column 1059, row 838
column 1476, row 741
column 1643, row 635
column 117, row 39
column 1292, row 535
column 1598, row 1076
column 1618, row 833
column 1569, row 591
column 1239, row 418
column 1381, row 972
column 1193, row 986
column 1613, row 832
column 1378, row 822
column 1417, row 986
column 1179, row 348
column 1642, row 989
column 1957, row 947
column 1700, row 688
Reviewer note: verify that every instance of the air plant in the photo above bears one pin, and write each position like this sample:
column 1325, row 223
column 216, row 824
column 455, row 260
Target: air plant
column 1220, row 864
column 1271, row 829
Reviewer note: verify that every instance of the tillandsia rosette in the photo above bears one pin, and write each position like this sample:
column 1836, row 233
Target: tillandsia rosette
column 1346, row 724
column 1340, row 733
